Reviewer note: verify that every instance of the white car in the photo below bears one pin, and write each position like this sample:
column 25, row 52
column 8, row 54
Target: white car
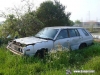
column 48, row 38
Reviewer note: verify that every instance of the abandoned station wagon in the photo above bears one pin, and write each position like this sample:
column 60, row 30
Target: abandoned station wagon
column 49, row 37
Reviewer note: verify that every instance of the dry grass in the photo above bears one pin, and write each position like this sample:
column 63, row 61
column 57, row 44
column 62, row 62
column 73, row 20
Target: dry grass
column 97, row 40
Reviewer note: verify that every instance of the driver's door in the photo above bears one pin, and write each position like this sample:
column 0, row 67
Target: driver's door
column 62, row 39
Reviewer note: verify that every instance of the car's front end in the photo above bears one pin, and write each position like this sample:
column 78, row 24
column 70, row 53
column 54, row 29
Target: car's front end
column 16, row 47
column 30, row 45
column 24, row 46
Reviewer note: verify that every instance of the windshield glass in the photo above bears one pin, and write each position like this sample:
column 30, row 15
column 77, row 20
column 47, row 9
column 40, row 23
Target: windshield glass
column 47, row 33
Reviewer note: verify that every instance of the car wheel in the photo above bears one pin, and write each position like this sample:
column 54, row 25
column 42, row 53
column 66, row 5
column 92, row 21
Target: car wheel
column 41, row 53
column 82, row 46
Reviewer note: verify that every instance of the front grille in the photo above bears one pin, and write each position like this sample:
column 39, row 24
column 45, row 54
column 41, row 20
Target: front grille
column 17, row 43
column 15, row 47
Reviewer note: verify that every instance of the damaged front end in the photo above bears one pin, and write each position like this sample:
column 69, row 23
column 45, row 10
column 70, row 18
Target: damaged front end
column 16, row 47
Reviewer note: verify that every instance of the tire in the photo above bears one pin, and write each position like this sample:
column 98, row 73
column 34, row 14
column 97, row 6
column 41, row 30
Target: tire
column 41, row 53
column 82, row 46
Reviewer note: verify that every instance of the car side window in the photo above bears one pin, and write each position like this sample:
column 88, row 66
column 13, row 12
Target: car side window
column 72, row 33
column 85, row 33
column 77, row 33
column 63, row 34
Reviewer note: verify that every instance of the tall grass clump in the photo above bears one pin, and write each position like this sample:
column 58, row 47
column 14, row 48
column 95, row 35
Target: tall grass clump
column 86, row 53
column 93, row 64
column 58, row 59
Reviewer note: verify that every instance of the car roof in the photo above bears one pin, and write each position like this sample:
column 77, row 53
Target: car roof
column 63, row 27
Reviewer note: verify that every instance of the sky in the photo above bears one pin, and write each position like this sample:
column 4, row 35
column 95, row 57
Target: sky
column 83, row 10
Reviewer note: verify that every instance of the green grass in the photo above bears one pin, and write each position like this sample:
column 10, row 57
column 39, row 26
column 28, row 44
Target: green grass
column 53, row 64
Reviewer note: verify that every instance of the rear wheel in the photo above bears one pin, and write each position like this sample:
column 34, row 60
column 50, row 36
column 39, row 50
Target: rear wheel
column 82, row 46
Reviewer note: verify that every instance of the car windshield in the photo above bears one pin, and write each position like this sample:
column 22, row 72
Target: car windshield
column 47, row 33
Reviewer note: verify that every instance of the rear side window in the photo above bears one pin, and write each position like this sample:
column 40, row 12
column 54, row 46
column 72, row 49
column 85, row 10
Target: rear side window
column 73, row 32
column 85, row 33
column 77, row 33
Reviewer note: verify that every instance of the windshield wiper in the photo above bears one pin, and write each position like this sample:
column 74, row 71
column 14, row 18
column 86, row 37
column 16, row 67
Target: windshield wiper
column 43, row 38
column 38, row 37
column 48, row 38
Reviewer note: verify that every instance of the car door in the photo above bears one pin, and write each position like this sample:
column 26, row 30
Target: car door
column 62, row 39
column 75, row 38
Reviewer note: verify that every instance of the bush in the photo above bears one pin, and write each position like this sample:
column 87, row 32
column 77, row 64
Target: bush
column 4, row 40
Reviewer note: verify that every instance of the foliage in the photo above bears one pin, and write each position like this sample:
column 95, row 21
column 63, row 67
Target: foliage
column 27, row 25
column 9, row 26
column 70, row 22
column 53, row 14
column 77, row 22
column 30, row 22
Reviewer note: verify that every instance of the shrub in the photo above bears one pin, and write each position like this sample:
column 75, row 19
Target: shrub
column 4, row 40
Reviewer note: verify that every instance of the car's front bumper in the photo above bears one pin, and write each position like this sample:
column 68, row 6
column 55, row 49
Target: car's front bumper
column 15, row 51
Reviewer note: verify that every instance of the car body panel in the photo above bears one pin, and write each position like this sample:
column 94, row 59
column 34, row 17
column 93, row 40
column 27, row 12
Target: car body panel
column 29, row 40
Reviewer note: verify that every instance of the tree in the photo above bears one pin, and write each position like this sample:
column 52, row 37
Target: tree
column 19, row 23
column 9, row 26
column 30, row 24
column 71, row 23
column 27, row 25
column 52, row 14
column 77, row 22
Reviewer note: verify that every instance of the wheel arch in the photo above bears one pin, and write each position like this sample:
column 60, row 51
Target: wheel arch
column 82, row 45
column 41, row 52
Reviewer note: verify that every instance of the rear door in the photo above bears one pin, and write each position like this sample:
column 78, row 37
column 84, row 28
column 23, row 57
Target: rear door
column 75, row 38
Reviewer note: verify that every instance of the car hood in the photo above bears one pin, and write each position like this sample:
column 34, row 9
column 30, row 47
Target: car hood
column 29, row 40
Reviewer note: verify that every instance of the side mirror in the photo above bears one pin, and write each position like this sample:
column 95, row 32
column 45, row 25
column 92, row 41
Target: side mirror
column 15, row 37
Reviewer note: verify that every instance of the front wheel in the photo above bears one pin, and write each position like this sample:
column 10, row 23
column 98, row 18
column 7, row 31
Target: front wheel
column 41, row 53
